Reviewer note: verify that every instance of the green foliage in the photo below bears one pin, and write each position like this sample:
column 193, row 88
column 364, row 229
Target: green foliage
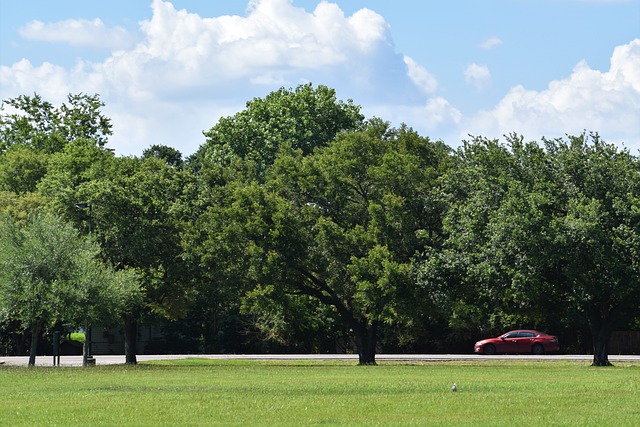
column 39, row 125
column 77, row 336
column 304, row 118
column 139, row 209
column 170, row 155
column 41, row 265
column 137, row 216
column 21, row 167
column 33, row 133
column 362, row 200
column 300, row 220
column 340, row 225
column 20, row 207
column 531, row 228
column 49, row 273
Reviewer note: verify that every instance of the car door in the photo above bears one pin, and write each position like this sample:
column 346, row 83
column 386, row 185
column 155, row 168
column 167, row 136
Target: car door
column 523, row 343
column 509, row 343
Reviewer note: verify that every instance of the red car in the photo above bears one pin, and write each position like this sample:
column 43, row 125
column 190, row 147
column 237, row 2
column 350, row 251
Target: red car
column 520, row 341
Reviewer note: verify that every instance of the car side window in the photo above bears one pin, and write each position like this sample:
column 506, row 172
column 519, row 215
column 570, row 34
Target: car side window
column 527, row 335
column 512, row 335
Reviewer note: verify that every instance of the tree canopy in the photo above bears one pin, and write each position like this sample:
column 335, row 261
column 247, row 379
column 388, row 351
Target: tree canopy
column 38, row 124
column 304, row 118
column 340, row 225
column 50, row 273
column 533, row 231
column 299, row 225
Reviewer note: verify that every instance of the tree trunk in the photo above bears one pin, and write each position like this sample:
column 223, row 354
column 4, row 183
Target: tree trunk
column 35, row 334
column 366, row 340
column 130, row 339
column 87, row 356
column 600, row 333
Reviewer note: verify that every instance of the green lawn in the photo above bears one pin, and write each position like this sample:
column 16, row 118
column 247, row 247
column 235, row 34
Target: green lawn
column 245, row 393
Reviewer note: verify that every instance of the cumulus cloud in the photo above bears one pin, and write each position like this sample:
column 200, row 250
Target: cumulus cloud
column 490, row 43
column 477, row 75
column 79, row 33
column 420, row 76
column 434, row 117
column 273, row 42
column 606, row 102
column 184, row 70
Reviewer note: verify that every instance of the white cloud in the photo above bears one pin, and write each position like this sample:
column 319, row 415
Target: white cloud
column 477, row 75
column 274, row 36
column 51, row 81
column 79, row 33
column 276, row 43
column 439, row 112
column 605, row 102
column 420, row 76
column 434, row 117
column 185, row 69
column 491, row 43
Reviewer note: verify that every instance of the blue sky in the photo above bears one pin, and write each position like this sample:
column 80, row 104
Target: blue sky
column 169, row 70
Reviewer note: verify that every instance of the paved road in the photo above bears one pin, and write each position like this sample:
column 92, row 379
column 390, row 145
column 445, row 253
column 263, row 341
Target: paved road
column 119, row 359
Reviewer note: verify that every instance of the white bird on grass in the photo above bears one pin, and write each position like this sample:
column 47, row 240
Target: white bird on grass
column 454, row 387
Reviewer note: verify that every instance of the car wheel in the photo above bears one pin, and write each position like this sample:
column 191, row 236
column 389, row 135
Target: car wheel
column 489, row 349
column 537, row 349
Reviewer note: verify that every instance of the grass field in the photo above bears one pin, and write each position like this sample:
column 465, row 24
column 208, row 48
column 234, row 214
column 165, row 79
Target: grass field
column 249, row 393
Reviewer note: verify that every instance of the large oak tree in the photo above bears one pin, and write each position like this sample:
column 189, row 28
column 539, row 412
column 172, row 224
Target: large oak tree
column 340, row 225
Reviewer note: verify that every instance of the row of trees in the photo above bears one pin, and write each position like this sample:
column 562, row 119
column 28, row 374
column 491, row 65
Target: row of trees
column 303, row 222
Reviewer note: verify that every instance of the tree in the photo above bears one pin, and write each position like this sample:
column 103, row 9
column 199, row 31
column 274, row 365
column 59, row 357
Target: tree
column 45, row 128
column 340, row 225
column 139, row 209
column 536, row 231
column 137, row 212
column 479, row 278
column 32, row 133
column 240, row 149
column 50, row 273
column 598, row 234
column 304, row 118
column 170, row 155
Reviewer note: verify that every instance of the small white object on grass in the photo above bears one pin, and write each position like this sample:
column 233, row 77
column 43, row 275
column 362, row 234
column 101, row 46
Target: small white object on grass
column 454, row 387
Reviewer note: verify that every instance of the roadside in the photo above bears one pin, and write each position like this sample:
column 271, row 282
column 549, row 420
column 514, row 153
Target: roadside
column 120, row 359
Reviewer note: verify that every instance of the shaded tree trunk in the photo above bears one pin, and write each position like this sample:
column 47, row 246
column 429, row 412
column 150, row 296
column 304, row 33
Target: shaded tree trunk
column 130, row 338
column 600, row 333
column 366, row 334
column 366, row 340
column 35, row 334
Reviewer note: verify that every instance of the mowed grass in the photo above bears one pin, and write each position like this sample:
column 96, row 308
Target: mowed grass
column 245, row 393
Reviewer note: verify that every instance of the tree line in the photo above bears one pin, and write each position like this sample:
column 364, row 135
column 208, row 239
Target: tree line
column 301, row 225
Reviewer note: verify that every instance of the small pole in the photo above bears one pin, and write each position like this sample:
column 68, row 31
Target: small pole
column 56, row 348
